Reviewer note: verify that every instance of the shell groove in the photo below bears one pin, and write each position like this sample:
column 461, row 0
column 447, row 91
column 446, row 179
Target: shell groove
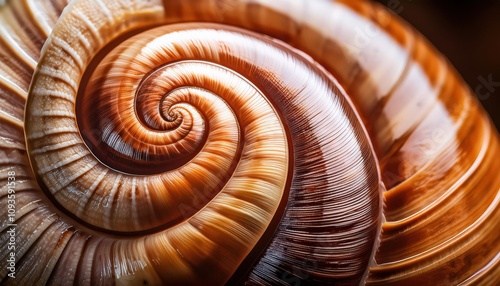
column 239, row 142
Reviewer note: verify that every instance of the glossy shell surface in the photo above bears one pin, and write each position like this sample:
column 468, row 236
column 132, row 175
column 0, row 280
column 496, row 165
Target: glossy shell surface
column 201, row 142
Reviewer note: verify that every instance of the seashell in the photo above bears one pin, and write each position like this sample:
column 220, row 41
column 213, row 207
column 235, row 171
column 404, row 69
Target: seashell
column 238, row 142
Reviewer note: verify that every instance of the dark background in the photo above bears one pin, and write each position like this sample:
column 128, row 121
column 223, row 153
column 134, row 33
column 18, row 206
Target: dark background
column 467, row 33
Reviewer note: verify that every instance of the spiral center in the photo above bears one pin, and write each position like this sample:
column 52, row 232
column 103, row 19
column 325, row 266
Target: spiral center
column 136, row 124
column 184, row 116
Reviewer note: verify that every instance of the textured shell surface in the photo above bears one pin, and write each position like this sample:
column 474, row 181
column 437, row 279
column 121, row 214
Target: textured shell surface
column 242, row 142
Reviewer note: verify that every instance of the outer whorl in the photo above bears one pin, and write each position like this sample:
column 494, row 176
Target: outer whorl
column 238, row 142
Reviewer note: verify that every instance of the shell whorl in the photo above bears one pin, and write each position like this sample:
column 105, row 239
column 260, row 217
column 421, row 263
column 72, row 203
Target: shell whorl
column 212, row 142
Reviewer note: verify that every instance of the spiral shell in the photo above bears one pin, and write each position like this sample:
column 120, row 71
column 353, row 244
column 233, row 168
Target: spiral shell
column 238, row 142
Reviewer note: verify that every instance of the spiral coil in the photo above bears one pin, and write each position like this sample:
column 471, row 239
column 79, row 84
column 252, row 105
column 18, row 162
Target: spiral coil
column 241, row 142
